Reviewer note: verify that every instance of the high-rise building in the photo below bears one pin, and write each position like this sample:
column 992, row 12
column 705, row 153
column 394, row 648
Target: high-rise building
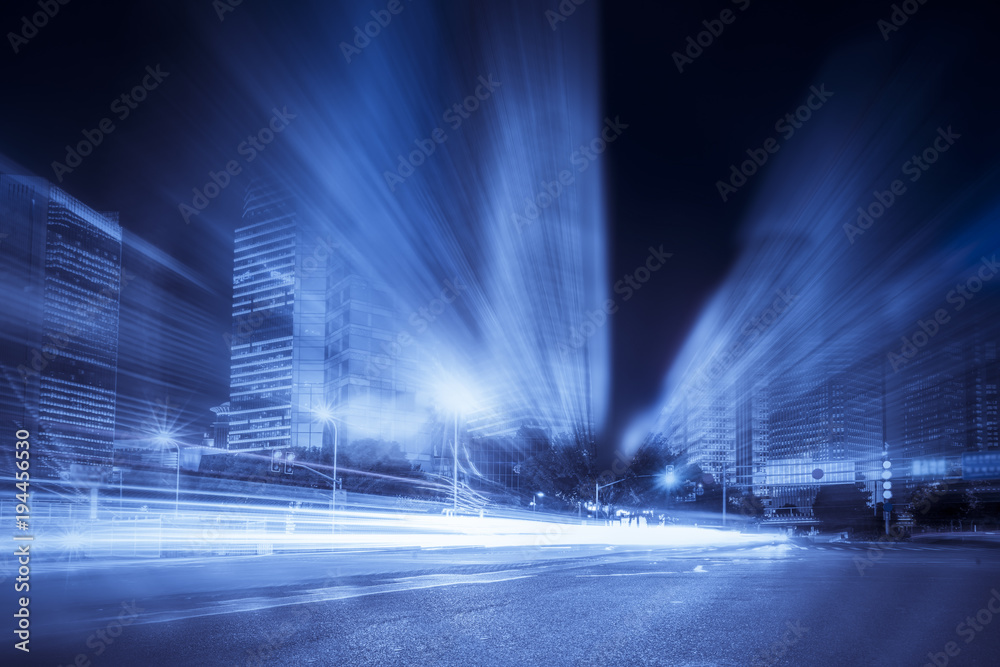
column 313, row 339
column 823, row 416
column 703, row 425
column 276, row 375
column 65, row 330
column 752, row 426
column 23, row 214
column 933, row 404
column 374, row 385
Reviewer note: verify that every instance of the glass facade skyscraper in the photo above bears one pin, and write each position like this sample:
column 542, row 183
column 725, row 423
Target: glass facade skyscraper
column 373, row 383
column 65, row 330
column 276, row 377
column 309, row 339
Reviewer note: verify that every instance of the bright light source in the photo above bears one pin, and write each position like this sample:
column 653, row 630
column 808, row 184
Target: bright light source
column 163, row 438
column 455, row 395
column 323, row 413
column 670, row 478
column 540, row 494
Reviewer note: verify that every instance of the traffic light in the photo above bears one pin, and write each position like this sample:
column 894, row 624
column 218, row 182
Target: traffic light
column 289, row 463
column 886, row 486
column 669, row 477
column 886, row 476
column 275, row 461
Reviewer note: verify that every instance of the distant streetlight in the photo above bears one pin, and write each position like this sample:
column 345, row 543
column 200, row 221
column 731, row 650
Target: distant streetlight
column 456, row 397
column 598, row 486
column 324, row 415
column 534, row 504
column 166, row 440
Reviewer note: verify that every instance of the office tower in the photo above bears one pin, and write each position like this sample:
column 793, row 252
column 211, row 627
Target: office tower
column 218, row 437
column 944, row 402
column 65, row 338
column 752, row 426
column 703, row 425
column 169, row 343
column 23, row 212
column 827, row 426
column 933, row 404
column 276, row 376
column 314, row 349
column 374, row 381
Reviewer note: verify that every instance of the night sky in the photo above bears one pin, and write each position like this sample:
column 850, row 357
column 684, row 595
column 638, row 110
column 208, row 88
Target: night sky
column 685, row 129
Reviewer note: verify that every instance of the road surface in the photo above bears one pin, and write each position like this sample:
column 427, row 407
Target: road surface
column 782, row 604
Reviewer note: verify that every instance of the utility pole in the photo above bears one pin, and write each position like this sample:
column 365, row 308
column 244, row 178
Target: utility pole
column 886, row 486
column 723, row 493
column 455, row 482
column 597, row 500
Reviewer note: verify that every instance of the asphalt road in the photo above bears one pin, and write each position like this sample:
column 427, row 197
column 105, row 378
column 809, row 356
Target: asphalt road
column 772, row 605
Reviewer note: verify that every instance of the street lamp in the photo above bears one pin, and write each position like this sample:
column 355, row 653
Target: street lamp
column 598, row 486
column 454, row 469
column 534, row 504
column 455, row 397
column 166, row 441
column 325, row 415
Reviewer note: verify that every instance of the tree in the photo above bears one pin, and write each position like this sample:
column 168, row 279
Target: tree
column 377, row 467
column 843, row 507
column 750, row 507
column 564, row 467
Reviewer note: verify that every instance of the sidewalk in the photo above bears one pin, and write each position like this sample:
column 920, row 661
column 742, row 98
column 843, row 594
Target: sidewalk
column 979, row 538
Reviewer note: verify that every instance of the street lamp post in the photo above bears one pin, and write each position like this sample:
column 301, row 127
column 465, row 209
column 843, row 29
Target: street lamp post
column 333, row 503
column 333, row 480
column 454, row 396
column 169, row 442
column 177, row 480
column 324, row 415
column 454, row 492
column 598, row 487
column 669, row 478
column 723, row 494
column 534, row 503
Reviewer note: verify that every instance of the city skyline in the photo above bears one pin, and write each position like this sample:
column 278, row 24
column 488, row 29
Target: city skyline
column 500, row 332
